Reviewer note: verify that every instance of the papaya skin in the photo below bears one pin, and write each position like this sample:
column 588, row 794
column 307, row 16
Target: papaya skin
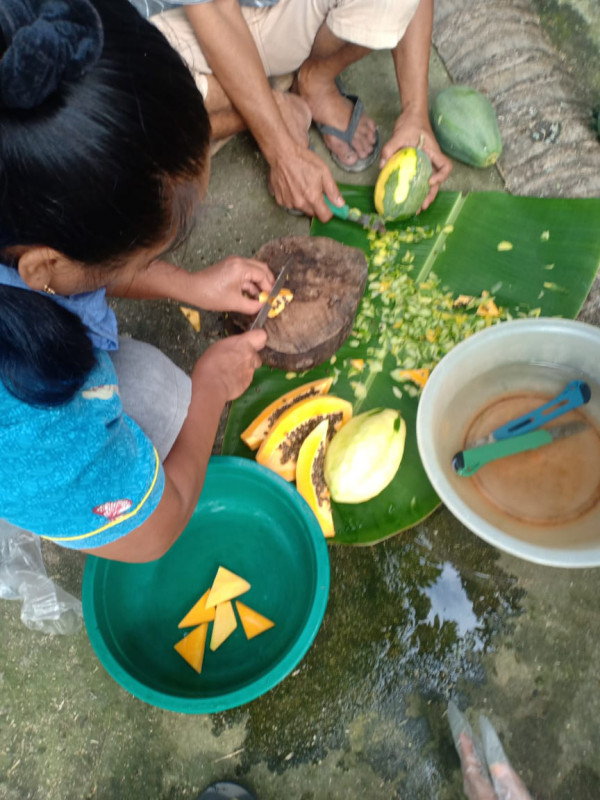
column 466, row 127
column 403, row 184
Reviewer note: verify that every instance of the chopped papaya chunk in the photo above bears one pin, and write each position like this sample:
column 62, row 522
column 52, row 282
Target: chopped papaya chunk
column 224, row 625
column 226, row 586
column 198, row 613
column 192, row 646
column 253, row 623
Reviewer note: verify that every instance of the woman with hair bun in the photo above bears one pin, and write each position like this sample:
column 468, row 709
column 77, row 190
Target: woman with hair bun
column 103, row 164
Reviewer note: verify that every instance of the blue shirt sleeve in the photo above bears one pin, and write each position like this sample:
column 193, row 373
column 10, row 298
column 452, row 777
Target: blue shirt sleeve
column 82, row 474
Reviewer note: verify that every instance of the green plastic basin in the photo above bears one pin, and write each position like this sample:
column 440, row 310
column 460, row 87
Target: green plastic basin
column 255, row 524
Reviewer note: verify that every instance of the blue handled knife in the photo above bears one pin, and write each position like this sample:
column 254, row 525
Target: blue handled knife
column 576, row 393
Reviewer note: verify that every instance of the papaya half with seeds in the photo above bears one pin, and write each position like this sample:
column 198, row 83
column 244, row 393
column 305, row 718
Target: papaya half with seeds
column 261, row 425
column 310, row 479
column 279, row 450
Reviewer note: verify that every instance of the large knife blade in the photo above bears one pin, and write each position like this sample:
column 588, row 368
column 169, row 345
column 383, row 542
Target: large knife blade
column 466, row 462
column 262, row 315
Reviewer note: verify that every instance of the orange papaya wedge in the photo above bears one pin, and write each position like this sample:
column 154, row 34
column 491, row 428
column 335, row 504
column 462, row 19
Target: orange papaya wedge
column 260, row 425
column 310, row 480
column 279, row 450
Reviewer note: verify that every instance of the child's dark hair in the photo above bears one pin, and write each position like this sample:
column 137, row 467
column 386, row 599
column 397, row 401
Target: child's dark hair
column 103, row 166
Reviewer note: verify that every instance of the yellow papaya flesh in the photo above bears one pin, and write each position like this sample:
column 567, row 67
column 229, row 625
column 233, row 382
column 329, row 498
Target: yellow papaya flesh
column 279, row 450
column 403, row 184
column 261, row 425
column 310, row 480
column 278, row 303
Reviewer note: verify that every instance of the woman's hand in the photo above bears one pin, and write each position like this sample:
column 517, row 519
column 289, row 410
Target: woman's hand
column 227, row 367
column 412, row 130
column 232, row 284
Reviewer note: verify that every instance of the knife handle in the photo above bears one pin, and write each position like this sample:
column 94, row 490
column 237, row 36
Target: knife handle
column 575, row 394
column 466, row 462
column 341, row 212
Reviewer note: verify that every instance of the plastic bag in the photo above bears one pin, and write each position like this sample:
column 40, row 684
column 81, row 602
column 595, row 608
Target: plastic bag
column 487, row 773
column 46, row 607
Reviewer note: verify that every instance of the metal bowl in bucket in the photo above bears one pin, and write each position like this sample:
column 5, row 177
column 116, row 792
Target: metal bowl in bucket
column 542, row 505
column 255, row 524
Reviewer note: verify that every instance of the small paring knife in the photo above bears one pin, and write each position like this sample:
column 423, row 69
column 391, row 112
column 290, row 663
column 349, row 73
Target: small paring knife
column 369, row 221
column 262, row 315
column 466, row 462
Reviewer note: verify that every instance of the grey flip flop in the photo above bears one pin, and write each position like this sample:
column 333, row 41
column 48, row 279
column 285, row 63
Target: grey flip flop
column 225, row 790
column 346, row 136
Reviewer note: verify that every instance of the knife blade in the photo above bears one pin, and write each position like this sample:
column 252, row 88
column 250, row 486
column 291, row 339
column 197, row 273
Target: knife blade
column 466, row 462
column 369, row 221
column 262, row 315
column 576, row 393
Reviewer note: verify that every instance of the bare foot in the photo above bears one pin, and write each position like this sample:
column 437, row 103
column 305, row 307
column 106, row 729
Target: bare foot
column 296, row 115
column 329, row 107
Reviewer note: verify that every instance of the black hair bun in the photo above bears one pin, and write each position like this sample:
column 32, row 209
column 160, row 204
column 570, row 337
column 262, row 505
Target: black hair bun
column 47, row 41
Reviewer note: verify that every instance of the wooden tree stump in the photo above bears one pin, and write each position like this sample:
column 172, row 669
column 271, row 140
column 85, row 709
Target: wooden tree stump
column 328, row 280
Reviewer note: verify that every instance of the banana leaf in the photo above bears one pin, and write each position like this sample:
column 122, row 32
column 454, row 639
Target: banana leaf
column 533, row 255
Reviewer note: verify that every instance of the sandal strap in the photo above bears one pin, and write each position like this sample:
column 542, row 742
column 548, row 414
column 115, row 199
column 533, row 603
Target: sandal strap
column 348, row 134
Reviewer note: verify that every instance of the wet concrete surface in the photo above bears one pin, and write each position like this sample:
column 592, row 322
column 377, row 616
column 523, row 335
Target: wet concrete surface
column 428, row 615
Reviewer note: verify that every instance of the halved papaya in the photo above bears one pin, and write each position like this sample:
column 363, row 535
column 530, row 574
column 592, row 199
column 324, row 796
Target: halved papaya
column 310, row 480
column 279, row 450
column 260, row 426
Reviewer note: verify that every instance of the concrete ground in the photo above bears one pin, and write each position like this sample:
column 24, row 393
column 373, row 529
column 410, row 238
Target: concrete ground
column 431, row 614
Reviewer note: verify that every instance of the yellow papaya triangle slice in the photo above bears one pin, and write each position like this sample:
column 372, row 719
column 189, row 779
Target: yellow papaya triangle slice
column 253, row 623
column 226, row 586
column 260, row 425
column 310, row 479
column 279, row 450
column 224, row 625
column 198, row 613
column 192, row 646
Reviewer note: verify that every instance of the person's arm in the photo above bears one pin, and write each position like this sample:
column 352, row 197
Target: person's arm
column 232, row 284
column 298, row 176
column 220, row 375
column 411, row 61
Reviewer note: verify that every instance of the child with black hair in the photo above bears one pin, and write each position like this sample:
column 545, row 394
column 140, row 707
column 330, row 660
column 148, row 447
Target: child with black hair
column 104, row 442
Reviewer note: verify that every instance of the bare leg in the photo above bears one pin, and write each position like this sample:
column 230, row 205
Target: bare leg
column 316, row 84
column 225, row 119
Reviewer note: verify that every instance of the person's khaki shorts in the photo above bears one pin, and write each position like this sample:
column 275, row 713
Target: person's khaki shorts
column 284, row 33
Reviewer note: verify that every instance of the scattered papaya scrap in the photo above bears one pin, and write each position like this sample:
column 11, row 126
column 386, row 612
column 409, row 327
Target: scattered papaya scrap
column 193, row 317
column 216, row 606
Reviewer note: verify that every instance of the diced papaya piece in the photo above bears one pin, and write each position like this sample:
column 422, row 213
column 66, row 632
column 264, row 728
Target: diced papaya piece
column 418, row 376
column 226, row 586
column 224, row 625
column 191, row 647
column 198, row 613
column 253, row 623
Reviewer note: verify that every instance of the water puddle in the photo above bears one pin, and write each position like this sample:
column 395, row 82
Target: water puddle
column 406, row 619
